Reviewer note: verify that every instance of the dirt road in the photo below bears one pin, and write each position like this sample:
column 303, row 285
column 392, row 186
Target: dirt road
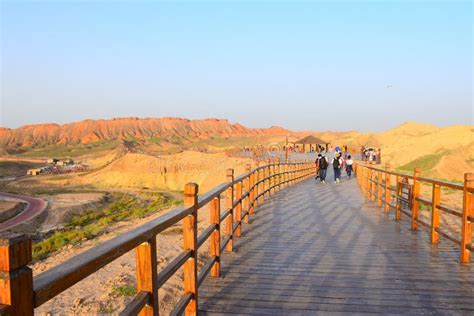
column 35, row 206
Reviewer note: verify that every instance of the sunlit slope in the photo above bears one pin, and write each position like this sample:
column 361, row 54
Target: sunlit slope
column 440, row 152
column 168, row 172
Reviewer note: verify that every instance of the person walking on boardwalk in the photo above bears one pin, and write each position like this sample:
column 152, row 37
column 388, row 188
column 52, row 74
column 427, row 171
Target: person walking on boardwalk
column 323, row 168
column 337, row 164
column 349, row 164
column 317, row 166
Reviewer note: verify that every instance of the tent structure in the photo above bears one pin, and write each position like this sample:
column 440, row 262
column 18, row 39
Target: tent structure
column 312, row 142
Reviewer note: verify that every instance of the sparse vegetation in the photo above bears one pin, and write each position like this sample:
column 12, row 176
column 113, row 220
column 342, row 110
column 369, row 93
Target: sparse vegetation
column 69, row 150
column 91, row 223
column 426, row 163
column 126, row 290
column 15, row 168
column 155, row 140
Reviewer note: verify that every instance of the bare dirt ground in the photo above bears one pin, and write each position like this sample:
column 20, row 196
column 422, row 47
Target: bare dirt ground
column 65, row 205
column 103, row 292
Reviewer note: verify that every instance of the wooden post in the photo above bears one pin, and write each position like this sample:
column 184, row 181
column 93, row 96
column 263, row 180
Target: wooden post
column 398, row 212
column 366, row 182
column 271, row 179
column 16, row 278
column 369, row 183
column 229, row 222
column 436, row 199
column 190, row 243
column 256, row 179
column 379, row 189
column 277, row 175
column 238, row 209
column 215, row 240
column 290, row 175
column 414, row 202
column 388, row 193
column 273, row 172
column 268, row 176
column 246, row 202
column 467, row 212
column 373, row 185
column 252, row 193
column 147, row 275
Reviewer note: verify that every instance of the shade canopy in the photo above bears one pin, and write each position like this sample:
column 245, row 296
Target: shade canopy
column 311, row 140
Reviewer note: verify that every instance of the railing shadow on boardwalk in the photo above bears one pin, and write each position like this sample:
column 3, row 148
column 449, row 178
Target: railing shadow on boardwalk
column 322, row 253
column 20, row 293
column 310, row 248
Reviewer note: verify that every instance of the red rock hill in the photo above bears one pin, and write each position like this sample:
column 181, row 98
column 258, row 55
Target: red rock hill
column 95, row 130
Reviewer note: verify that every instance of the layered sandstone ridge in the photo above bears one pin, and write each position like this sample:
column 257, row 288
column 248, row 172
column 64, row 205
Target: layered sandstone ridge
column 88, row 131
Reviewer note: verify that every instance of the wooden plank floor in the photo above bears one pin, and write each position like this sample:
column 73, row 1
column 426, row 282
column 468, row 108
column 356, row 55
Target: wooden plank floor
column 320, row 248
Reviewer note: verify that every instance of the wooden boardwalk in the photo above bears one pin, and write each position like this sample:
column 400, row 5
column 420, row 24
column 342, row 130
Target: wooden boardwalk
column 318, row 248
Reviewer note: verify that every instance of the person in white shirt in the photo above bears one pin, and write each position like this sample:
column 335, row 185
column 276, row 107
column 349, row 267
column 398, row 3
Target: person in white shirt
column 349, row 164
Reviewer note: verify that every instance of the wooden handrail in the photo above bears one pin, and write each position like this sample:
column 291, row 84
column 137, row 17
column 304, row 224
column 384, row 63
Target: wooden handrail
column 59, row 278
column 443, row 183
column 369, row 176
column 259, row 183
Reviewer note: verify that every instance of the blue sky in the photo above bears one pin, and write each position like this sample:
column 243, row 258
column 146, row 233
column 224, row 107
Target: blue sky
column 302, row 65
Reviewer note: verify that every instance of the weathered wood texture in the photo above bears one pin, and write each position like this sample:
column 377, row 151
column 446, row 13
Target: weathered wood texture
column 20, row 293
column 322, row 248
column 456, row 223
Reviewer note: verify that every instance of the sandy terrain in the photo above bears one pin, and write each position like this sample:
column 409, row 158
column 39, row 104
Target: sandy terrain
column 96, row 294
column 167, row 172
column 149, row 166
column 64, row 205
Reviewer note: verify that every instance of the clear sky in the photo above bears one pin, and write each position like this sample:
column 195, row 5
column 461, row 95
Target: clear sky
column 303, row 65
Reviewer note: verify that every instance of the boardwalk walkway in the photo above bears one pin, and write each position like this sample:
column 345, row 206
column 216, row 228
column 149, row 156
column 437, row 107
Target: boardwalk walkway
column 321, row 248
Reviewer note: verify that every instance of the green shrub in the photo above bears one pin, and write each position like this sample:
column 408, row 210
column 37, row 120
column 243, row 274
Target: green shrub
column 93, row 222
column 425, row 163
column 126, row 290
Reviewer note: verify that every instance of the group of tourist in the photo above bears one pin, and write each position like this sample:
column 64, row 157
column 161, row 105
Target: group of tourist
column 371, row 155
column 339, row 163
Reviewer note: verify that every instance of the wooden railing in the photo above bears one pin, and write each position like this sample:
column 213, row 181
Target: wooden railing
column 20, row 292
column 405, row 198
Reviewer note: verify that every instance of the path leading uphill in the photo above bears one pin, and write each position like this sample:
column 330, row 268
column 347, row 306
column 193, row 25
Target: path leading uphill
column 321, row 248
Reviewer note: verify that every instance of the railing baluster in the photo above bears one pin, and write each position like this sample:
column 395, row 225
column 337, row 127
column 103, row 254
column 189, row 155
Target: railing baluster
column 229, row 223
column 278, row 177
column 190, row 243
column 147, row 275
column 215, row 239
column 16, row 278
column 435, row 201
column 388, row 193
column 238, row 209
column 467, row 211
column 369, row 183
column 398, row 212
column 373, row 186
column 246, row 202
column 379, row 189
column 414, row 202
column 253, row 175
column 271, row 179
column 261, row 187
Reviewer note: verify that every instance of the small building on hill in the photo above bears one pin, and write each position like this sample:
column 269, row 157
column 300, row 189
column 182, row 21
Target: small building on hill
column 34, row 172
column 65, row 162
